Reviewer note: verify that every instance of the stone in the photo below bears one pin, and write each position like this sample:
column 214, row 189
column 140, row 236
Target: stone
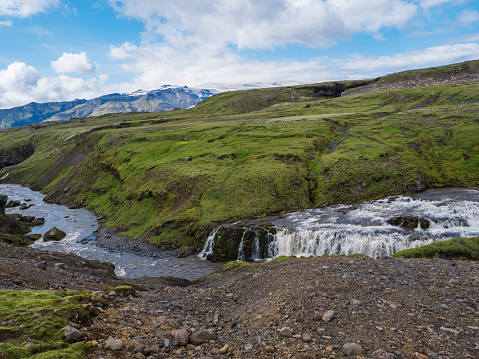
column 155, row 348
column 352, row 349
column 41, row 265
column 382, row 354
column 72, row 335
column 27, row 219
column 286, row 332
column 139, row 356
column 113, row 344
column 307, row 338
column 202, row 336
column 356, row 302
column 38, row 222
column 224, row 349
column 329, row 315
column 58, row 266
column 54, row 234
column 248, row 347
column 419, row 356
column 139, row 349
column 181, row 336
column 269, row 349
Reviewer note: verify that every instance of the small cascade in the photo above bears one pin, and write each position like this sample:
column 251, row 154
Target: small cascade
column 210, row 243
column 375, row 228
column 255, row 251
column 241, row 255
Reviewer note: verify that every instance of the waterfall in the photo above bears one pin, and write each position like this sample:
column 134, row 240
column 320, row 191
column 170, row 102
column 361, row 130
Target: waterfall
column 374, row 228
column 210, row 243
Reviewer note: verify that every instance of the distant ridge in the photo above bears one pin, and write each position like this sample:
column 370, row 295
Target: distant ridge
column 165, row 98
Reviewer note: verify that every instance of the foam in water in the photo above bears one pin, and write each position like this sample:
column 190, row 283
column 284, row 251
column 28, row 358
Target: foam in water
column 365, row 228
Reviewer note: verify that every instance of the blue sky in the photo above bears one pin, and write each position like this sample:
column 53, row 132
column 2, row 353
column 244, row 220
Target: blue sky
column 55, row 50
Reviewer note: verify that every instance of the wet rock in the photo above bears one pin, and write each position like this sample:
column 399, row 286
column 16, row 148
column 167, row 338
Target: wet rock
column 182, row 254
column 352, row 349
column 72, row 335
column 54, row 234
column 27, row 219
column 329, row 315
column 113, row 344
column 12, row 204
column 202, row 336
column 181, row 336
column 38, row 222
column 381, row 354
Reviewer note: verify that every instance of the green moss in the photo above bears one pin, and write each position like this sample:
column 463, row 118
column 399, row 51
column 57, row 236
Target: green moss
column 36, row 317
column 458, row 248
column 281, row 258
column 235, row 264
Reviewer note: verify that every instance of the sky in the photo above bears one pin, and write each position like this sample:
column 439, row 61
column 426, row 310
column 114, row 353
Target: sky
column 58, row 50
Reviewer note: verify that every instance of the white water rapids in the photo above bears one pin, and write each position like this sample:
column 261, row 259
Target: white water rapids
column 364, row 229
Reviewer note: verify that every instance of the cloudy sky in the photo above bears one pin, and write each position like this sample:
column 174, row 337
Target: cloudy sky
column 55, row 50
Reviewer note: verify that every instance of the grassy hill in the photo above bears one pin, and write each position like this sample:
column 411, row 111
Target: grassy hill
column 169, row 177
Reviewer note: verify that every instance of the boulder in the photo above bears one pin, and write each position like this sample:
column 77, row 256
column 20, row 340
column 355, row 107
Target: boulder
column 202, row 336
column 72, row 335
column 181, row 336
column 352, row 349
column 54, row 234
column 113, row 344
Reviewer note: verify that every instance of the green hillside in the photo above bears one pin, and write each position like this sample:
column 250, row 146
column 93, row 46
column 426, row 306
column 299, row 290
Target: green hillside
column 170, row 177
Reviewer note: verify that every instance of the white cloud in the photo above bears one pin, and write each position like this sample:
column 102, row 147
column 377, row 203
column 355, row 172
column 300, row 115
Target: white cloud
column 21, row 83
column 265, row 23
column 429, row 57
column 468, row 16
column 77, row 63
column 427, row 4
column 25, row 8
column 6, row 23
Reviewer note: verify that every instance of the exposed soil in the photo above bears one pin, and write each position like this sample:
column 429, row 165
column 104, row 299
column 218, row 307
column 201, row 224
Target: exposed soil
column 400, row 306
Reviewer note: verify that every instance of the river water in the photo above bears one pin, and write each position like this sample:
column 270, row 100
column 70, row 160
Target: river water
column 80, row 226
column 365, row 228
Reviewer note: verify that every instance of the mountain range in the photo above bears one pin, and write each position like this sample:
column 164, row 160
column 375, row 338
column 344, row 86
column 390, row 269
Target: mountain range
column 163, row 99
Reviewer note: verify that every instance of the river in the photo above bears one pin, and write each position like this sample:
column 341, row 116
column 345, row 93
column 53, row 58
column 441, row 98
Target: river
column 80, row 225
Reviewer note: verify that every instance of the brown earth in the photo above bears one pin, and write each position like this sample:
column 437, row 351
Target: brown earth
column 400, row 306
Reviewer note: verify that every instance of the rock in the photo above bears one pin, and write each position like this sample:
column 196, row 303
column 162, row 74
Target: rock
column 419, row 356
column 449, row 263
column 12, row 204
column 356, row 302
column 329, row 315
column 181, row 336
column 286, row 332
column 38, row 222
column 54, row 234
column 307, row 338
column 58, row 266
column 27, row 219
column 140, row 356
column 248, row 347
column 113, row 344
column 202, row 336
column 140, row 349
column 72, row 335
column 269, row 349
column 352, row 349
column 182, row 254
column 381, row 354
column 41, row 265
column 224, row 349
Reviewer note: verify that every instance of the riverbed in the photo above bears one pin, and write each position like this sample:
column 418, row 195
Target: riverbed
column 81, row 227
